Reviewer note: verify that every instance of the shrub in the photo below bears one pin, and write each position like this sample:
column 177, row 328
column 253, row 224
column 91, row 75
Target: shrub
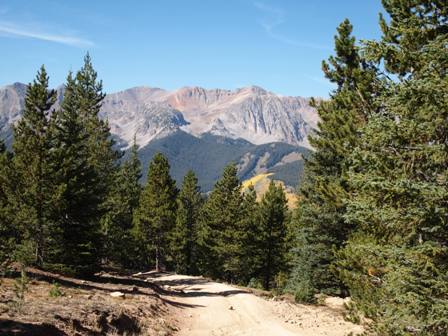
column 55, row 291
column 304, row 292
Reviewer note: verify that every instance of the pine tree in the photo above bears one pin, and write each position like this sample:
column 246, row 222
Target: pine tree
column 185, row 242
column 132, row 172
column 5, row 229
column 156, row 214
column 103, row 156
column 118, row 221
column 9, row 235
column 319, row 217
column 90, row 94
column 413, row 24
column 273, row 230
column 251, row 253
column 395, row 265
column 32, row 198
column 75, row 180
column 221, row 227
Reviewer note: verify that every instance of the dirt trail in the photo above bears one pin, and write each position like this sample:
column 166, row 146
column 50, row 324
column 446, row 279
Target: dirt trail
column 214, row 309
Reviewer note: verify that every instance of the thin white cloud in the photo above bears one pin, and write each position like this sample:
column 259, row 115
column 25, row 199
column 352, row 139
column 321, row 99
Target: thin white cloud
column 277, row 18
column 320, row 80
column 12, row 30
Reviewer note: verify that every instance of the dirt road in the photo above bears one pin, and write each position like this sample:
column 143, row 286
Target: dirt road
column 214, row 309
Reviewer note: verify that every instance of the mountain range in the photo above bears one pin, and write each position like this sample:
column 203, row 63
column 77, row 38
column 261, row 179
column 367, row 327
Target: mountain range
column 200, row 129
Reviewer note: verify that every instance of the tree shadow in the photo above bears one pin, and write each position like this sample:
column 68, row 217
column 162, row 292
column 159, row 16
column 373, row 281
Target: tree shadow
column 101, row 283
column 223, row 293
column 182, row 282
column 183, row 288
column 17, row 328
column 181, row 305
column 111, row 283
column 142, row 284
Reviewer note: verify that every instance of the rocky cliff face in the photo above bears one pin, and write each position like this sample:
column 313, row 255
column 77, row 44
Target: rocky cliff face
column 251, row 113
column 11, row 107
column 200, row 129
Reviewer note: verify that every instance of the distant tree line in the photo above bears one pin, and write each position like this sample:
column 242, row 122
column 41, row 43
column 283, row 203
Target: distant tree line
column 372, row 222
column 70, row 203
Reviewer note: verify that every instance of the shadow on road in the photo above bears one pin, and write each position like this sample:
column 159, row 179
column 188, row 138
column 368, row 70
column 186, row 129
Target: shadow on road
column 189, row 287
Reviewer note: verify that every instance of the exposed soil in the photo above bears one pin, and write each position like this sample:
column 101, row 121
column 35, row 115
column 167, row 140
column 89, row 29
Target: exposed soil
column 158, row 304
column 84, row 307
column 218, row 309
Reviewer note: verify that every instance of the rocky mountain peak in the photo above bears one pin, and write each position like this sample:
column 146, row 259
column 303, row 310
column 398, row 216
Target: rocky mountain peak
column 254, row 89
column 251, row 113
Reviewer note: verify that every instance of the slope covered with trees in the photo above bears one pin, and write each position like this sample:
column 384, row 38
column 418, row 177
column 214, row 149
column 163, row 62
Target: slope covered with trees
column 71, row 204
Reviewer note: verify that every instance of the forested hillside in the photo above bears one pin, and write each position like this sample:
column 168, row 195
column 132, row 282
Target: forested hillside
column 212, row 153
column 71, row 204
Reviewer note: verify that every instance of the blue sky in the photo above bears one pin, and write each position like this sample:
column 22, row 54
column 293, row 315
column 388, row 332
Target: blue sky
column 276, row 44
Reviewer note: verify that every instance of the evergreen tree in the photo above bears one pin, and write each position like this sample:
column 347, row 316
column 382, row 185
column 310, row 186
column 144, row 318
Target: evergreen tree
column 251, row 235
column 395, row 265
column 103, row 157
column 221, row 227
column 132, row 172
column 123, row 201
column 9, row 236
column 413, row 25
column 273, row 230
column 156, row 213
column 5, row 229
column 75, row 180
column 185, row 243
column 319, row 216
column 32, row 199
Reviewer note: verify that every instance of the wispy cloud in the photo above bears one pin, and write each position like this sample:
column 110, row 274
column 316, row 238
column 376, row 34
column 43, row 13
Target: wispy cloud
column 14, row 30
column 320, row 80
column 276, row 18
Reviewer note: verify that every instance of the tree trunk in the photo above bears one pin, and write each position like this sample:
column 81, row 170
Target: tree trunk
column 157, row 258
column 267, row 277
column 189, row 247
column 40, row 227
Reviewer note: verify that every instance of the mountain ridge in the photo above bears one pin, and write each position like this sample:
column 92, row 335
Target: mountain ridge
column 258, row 130
column 251, row 113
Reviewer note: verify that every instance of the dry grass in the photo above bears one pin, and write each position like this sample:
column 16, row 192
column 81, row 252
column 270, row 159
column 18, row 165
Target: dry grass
column 261, row 184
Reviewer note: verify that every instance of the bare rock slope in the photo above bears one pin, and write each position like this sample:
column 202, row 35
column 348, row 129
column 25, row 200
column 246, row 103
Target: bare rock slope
column 251, row 113
column 258, row 130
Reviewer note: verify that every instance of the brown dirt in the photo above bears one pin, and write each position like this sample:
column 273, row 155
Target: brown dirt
column 85, row 307
column 214, row 309
column 159, row 304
